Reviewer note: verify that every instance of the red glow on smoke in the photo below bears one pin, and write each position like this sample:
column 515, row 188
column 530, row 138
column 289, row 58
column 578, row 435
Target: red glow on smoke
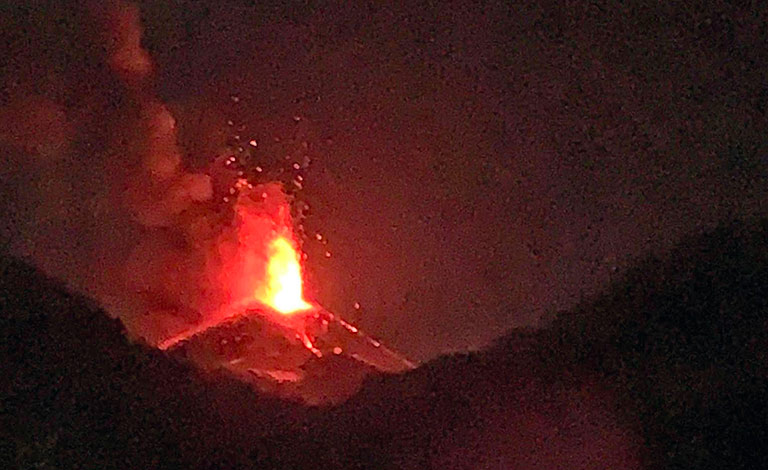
column 261, row 262
column 256, row 262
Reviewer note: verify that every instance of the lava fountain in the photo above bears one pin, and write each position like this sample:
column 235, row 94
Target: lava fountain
column 284, row 290
column 255, row 263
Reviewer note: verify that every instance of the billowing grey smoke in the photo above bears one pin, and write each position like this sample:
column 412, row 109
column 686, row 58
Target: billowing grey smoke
column 123, row 220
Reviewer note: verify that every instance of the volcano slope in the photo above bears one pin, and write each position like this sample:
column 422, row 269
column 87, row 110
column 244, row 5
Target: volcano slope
column 667, row 368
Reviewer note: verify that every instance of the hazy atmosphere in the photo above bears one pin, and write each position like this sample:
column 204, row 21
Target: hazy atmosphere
column 472, row 167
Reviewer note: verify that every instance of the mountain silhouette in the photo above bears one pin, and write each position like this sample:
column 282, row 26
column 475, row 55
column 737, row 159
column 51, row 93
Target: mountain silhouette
column 667, row 368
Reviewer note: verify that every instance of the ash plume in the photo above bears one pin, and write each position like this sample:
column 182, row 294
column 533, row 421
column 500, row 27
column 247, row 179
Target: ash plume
column 171, row 242
column 119, row 215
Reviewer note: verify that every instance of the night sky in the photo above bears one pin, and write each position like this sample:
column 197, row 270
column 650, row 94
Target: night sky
column 473, row 166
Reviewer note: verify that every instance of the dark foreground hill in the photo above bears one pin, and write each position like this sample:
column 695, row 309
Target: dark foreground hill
column 667, row 369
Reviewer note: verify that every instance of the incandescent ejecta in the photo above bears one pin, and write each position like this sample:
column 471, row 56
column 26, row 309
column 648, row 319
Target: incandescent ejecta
column 219, row 276
column 268, row 331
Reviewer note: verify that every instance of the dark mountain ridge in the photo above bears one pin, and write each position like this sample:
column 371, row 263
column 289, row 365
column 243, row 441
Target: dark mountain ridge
column 668, row 368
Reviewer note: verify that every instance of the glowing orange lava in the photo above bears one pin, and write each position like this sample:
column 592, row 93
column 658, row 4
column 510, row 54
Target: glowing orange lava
column 283, row 290
column 256, row 262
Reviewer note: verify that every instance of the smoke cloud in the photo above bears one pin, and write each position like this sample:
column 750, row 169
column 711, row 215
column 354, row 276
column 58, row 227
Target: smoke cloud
column 485, row 173
column 118, row 214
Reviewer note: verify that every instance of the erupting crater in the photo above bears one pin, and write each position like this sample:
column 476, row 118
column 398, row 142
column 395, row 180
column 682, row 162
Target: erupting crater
column 266, row 331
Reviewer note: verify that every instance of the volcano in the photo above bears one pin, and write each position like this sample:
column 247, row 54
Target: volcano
column 263, row 330
column 283, row 354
